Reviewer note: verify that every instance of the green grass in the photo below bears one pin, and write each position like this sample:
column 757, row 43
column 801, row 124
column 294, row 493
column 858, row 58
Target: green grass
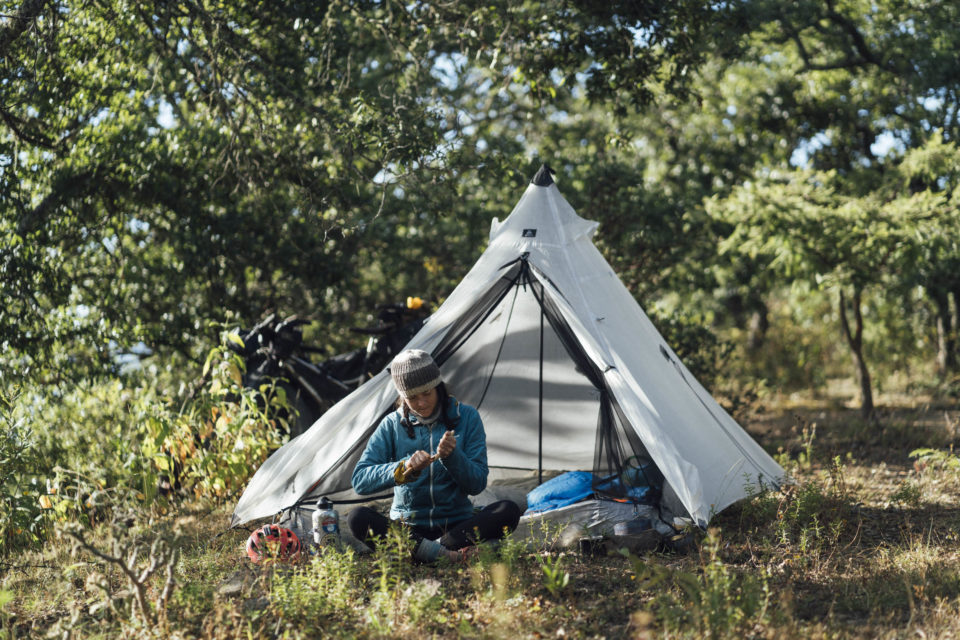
column 863, row 546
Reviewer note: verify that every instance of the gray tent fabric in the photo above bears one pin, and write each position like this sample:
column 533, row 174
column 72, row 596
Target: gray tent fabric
column 541, row 335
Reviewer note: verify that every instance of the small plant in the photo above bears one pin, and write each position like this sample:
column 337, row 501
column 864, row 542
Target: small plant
column 392, row 562
column 838, row 479
column 802, row 505
column 422, row 600
column 803, row 460
column 807, row 435
column 809, row 511
column 760, row 506
column 496, row 565
column 545, row 535
column 935, row 459
column 327, row 585
column 555, row 579
column 718, row 603
column 510, row 550
column 908, row 494
column 499, row 581
column 646, row 575
column 392, row 558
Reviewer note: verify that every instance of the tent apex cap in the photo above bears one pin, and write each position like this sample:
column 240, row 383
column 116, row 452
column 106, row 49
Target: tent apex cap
column 544, row 177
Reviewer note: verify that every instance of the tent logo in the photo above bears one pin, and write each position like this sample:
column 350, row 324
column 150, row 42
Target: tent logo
column 529, row 233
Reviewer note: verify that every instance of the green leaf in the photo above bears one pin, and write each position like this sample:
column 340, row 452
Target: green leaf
column 233, row 372
column 162, row 462
column 208, row 362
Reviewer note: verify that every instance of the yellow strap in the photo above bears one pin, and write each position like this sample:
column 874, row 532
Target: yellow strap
column 400, row 476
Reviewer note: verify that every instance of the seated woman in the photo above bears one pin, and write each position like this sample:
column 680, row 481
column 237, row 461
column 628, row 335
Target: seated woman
column 430, row 491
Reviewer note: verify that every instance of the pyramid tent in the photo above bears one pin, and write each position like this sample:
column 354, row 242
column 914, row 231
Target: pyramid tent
column 566, row 370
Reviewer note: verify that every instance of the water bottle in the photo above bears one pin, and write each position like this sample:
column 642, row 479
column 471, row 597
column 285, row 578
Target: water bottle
column 326, row 524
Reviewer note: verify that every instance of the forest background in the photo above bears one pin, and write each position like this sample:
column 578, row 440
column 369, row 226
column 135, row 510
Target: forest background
column 776, row 183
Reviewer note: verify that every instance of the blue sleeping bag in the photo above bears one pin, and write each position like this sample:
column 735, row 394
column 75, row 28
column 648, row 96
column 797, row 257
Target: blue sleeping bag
column 574, row 486
column 565, row 489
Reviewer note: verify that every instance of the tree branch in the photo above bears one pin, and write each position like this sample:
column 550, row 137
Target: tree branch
column 861, row 54
column 33, row 218
column 36, row 140
column 19, row 23
column 859, row 42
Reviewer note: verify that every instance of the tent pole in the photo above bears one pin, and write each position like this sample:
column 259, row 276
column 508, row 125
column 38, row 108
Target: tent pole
column 540, row 411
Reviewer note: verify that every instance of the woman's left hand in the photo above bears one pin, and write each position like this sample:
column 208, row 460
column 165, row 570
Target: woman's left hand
column 447, row 444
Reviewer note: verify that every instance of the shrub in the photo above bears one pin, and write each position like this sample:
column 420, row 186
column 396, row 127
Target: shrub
column 23, row 499
column 100, row 445
column 213, row 446
column 327, row 585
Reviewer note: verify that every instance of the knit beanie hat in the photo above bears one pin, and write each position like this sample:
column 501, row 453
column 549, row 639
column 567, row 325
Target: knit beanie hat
column 413, row 372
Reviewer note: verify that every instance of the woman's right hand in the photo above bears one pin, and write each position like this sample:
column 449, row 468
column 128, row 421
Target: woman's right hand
column 418, row 461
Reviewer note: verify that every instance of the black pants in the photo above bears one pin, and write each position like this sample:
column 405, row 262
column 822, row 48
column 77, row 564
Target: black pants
column 488, row 524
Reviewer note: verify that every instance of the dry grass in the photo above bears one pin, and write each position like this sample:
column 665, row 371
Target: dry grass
column 864, row 546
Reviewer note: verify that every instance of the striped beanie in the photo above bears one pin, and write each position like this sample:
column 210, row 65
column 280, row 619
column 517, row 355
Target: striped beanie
column 414, row 371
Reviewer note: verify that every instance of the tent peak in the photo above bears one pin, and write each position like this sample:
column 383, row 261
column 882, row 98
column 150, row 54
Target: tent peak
column 544, row 177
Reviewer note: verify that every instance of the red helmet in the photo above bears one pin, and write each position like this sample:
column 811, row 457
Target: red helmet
column 271, row 541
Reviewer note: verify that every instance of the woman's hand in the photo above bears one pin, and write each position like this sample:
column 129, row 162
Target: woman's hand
column 447, row 444
column 418, row 461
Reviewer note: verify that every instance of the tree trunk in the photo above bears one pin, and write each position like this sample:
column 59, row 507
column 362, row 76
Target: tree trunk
column 946, row 340
column 954, row 341
column 855, row 342
column 757, row 328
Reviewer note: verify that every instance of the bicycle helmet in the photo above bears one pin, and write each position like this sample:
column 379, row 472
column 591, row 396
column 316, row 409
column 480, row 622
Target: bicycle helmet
column 271, row 541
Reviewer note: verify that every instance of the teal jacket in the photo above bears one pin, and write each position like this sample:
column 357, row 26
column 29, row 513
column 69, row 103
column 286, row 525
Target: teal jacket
column 439, row 495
